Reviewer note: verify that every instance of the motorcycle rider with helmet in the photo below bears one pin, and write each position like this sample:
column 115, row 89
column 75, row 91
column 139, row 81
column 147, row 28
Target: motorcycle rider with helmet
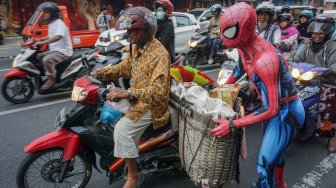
column 321, row 51
column 148, row 66
column 305, row 17
column 58, row 40
column 289, row 35
column 265, row 29
column 165, row 29
column 214, row 28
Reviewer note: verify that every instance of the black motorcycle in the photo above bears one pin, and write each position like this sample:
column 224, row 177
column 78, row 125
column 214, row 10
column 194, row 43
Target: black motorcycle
column 199, row 52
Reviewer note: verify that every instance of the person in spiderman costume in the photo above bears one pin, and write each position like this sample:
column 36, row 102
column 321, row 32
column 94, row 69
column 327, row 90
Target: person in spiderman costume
column 282, row 112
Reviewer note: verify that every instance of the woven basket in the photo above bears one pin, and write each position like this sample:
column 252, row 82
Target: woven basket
column 207, row 160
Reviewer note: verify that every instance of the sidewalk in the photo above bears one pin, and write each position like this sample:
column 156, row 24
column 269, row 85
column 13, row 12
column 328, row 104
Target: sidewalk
column 11, row 47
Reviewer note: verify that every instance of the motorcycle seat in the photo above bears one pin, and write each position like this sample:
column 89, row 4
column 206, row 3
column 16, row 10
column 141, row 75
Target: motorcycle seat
column 62, row 66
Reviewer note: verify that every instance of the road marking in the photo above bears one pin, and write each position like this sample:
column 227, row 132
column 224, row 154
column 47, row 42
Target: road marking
column 2, row 70
column 214, row 70
column 313, row 178
column 33, row 107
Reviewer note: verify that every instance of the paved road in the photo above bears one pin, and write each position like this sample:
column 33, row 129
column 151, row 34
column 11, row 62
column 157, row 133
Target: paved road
column 307, row 164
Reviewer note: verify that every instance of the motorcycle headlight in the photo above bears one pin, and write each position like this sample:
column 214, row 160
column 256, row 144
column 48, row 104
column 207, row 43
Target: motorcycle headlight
column 295, row 73
column 78, row 94
column 117, row 38
column 307, row 76
column 192, row 44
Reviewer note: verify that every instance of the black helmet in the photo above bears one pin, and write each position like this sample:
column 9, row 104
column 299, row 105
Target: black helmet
column 216, row 8
column 267, row 7
column 314, row 10
column 52, row 8
column 103, row 7
column 285, row 9
column 285, row 16
column 324, row 23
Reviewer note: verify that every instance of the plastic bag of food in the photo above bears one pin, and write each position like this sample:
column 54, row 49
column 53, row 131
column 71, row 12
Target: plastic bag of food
column 227, row 92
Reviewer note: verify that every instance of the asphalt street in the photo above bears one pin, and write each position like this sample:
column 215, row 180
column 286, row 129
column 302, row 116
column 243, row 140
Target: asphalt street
column 307, row 164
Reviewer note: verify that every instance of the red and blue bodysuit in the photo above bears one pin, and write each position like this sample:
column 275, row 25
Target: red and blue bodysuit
column 282, row 112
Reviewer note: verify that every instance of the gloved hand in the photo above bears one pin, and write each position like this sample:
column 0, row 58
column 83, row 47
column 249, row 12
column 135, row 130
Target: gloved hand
column 223, row 128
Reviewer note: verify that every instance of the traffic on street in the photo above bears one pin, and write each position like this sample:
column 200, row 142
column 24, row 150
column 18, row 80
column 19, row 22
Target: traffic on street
column 165, row 96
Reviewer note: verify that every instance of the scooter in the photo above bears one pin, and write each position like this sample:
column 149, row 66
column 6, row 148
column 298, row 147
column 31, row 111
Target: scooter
column 65, row 156
column 199, row 53
column 28, row 74
column 307, row 82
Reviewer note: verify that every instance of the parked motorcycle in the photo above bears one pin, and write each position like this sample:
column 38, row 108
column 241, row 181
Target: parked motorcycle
column 65, row 156
column 199, row 53
column 28, row 74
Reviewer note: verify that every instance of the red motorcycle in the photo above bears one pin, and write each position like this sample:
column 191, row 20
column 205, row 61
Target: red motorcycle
column 65, row 156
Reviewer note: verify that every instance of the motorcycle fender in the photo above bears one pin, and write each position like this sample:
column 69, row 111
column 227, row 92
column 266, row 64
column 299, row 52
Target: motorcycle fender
column 15, row 73
column 65, row 139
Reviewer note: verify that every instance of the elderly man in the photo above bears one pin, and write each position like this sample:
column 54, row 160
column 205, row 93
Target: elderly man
column 148, row 67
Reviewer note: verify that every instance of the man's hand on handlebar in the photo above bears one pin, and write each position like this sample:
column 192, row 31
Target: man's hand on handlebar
column 38, row 43
column 117, row 93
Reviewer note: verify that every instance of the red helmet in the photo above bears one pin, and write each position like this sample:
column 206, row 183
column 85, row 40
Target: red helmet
column 166, row 5
column 238, row 25
column 139, row 18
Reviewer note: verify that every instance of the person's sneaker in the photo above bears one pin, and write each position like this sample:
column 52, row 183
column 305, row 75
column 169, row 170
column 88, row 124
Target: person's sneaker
column 210, row 61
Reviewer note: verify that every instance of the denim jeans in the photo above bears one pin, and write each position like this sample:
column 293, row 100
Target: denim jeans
column 213, row 45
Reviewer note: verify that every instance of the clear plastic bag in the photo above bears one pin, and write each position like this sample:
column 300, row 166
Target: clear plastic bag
column 113, row 111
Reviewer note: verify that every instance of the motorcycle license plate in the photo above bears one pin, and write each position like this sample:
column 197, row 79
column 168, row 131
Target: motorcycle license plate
column 60, row 119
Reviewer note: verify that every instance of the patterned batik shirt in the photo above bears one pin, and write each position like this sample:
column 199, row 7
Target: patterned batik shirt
column 148, row 68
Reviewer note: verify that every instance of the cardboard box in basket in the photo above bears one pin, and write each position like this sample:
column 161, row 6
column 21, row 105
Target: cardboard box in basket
column 227, row 92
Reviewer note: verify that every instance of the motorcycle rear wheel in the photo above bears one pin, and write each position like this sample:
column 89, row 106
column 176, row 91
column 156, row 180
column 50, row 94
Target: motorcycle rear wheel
column 50, row 162
column 12, row 92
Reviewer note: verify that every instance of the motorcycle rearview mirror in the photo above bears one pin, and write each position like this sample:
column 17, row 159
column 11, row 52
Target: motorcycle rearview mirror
column 85, row 63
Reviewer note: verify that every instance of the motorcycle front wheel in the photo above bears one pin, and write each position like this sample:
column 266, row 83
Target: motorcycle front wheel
column 190, row 60
column 17, row 90
column 42, row 169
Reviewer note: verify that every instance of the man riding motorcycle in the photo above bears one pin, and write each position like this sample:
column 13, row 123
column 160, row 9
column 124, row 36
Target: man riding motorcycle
column 265, row 15
column 148, row 67
column 58, row 40
column 214, row 28
column 321, row 51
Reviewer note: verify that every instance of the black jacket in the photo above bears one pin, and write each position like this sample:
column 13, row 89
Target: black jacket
column 302, row 28
column 165, row 34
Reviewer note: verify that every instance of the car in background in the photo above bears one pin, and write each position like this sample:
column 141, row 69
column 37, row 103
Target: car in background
column 295, row 11
column 184, row 27
column 202, row 15
column 331, row 13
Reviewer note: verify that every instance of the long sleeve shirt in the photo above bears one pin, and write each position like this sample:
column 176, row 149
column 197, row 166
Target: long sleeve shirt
column 148, row 68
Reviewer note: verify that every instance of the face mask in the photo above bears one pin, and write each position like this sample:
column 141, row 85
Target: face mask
column 160, row 15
